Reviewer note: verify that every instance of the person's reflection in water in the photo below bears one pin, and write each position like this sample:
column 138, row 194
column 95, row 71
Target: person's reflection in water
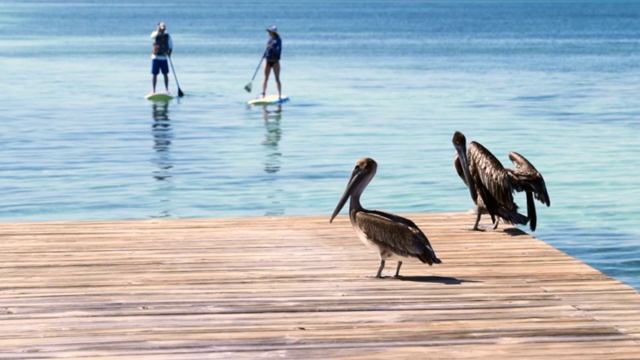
column 272, row 163
column 162, row 136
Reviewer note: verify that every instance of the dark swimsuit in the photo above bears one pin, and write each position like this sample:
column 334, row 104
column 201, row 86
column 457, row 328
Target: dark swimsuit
column 272, row 53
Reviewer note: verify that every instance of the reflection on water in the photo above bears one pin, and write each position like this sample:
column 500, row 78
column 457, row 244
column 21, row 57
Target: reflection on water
column 272, row 163
column 162, row 136
column 272, row 138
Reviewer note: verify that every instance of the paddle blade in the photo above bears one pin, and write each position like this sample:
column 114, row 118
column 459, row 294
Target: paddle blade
column 180, row 93
column 248, row 87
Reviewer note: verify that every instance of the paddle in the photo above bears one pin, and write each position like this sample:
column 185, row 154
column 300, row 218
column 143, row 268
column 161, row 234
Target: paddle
column 180, row 93
column 248, row 86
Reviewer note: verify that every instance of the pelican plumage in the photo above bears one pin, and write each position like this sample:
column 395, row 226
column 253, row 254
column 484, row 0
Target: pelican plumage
column 526, row 178
column 492, row 186
column 392, row 236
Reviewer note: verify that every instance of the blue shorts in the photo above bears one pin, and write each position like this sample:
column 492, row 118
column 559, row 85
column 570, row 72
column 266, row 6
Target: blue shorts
column 159, row 65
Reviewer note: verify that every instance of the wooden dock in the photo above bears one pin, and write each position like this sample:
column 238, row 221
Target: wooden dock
column 299, row 287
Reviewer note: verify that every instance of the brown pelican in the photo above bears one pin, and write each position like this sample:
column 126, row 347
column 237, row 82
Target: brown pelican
column 492, row 186
column 392, row 236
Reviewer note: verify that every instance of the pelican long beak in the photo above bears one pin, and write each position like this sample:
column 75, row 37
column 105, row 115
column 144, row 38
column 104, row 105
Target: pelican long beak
column 462, row 157
column 354, row 182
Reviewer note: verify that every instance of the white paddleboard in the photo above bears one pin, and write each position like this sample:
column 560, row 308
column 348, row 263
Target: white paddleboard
column 158, row 97
column 269, row 100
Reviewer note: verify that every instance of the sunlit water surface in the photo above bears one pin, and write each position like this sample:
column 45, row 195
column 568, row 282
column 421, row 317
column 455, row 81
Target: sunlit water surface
column 555, row 81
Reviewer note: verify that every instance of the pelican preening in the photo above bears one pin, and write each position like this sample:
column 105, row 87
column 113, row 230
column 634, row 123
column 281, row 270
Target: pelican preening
column 392, row 236
column 492, row 186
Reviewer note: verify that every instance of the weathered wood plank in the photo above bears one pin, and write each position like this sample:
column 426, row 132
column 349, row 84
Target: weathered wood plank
column 299, row 287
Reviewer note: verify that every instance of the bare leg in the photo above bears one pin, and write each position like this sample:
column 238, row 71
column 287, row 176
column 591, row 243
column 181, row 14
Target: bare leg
column 154, row 80
column 166, row 82
column 379, row 274
column 398, row 269
column 276, row 73
column 267, row 70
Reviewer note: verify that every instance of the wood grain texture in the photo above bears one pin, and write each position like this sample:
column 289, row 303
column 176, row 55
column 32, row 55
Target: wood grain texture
column 300, row 287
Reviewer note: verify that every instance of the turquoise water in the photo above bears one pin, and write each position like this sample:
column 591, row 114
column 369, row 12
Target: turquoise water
column 555, row 81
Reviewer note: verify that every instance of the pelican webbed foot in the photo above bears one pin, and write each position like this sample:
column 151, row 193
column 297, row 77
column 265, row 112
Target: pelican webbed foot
column 474, row 228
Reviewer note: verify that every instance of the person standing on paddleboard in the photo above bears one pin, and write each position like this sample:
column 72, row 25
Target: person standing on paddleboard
column 272, row 57
column 161, row 49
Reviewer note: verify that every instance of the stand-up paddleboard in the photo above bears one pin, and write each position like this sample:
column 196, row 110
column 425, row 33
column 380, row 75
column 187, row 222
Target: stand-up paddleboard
column 269, row 100
column 158, row 97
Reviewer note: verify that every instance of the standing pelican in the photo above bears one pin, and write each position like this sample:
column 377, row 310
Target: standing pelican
column 392, row 236
column 488, row 182
column 492, row 186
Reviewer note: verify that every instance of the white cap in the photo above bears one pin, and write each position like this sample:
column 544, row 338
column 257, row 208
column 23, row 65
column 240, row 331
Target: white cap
column 273, row 29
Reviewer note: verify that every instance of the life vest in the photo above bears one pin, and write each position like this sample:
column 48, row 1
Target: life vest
column 161, row 44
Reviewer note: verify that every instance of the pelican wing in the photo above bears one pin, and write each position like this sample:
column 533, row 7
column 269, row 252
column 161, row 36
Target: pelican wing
column 488, row 172
column 396, row 234
column 525, row 177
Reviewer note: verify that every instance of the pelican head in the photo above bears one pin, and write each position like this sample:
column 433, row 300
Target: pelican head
column 362, row 174
column 459, row 142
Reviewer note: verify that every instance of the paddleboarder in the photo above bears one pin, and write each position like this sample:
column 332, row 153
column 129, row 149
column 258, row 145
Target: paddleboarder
column 272, row 57
column 161, row 50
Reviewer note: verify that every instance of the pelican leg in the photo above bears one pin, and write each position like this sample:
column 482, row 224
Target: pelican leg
column 398, row 269
column 495, row 225
column 379, row 274
column 475, row 226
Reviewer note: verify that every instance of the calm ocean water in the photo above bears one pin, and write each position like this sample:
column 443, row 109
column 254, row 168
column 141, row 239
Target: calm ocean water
column 556, row 81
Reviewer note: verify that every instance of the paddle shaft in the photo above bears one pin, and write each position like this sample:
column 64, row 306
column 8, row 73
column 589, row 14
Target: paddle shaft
column 257, row 68
column 249, row 85
column 180, row 93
